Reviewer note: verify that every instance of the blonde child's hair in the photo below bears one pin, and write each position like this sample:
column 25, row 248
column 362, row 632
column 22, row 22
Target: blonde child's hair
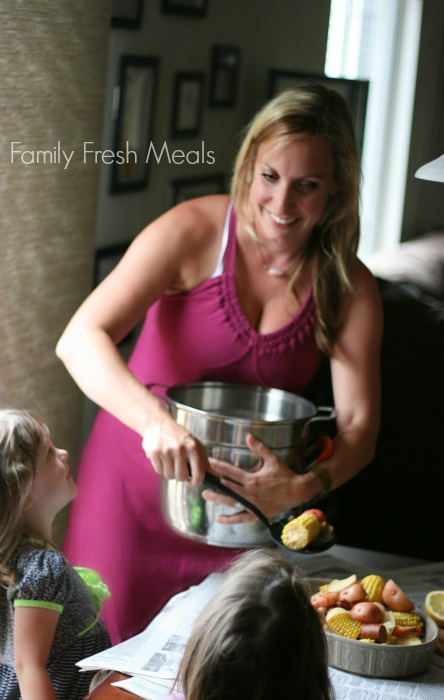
column 21, row 435
column 312, row 110
column 258, row 638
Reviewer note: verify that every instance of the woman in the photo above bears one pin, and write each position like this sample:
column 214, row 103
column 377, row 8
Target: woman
column 256, row 294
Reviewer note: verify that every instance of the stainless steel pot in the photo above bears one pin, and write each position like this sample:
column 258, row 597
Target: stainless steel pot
column 220, row 415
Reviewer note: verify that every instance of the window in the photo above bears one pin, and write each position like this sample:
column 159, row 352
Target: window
column 378, row 40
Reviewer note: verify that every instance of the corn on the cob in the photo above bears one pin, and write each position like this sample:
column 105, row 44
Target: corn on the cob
column 367, row 640
column 298, row 533
column 323, row 588
column 345, row 626
column 333, row 612
column 406, row 619
column 373, row 585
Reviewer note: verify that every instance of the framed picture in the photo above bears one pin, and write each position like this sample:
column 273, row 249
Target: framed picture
column 224, row 76
column 187, row 104
column 195, row 8
column 106, row 259
column 134, row 124
column 190, row 187
column 126, row 14
column 354, row 92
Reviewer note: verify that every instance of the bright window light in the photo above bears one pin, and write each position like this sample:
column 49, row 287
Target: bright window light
column 378, row 40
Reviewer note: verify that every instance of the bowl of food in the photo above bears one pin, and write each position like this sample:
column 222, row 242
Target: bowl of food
column 372, row 628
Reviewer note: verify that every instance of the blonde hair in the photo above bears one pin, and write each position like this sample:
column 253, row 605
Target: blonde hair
column 312, row 110
column 21, row 435
column 257, row 638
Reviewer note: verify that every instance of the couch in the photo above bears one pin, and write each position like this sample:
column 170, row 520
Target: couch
column 396, row 504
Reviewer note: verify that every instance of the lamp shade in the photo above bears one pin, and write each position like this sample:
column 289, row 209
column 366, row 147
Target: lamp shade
column 432, row 171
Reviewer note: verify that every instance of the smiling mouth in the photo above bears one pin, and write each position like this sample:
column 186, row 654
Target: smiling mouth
column 282, row 221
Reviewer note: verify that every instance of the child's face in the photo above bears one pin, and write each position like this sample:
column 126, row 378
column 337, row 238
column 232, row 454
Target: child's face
column 53, row 486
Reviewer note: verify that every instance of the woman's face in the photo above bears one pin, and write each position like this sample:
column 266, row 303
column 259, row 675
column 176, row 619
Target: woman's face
column 291, row 186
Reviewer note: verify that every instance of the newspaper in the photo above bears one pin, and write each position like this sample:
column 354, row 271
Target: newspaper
column 155, row 653
column 426, row 686
column 152, row 658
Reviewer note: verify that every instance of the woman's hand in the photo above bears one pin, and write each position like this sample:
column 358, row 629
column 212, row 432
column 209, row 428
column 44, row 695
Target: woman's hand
column 273, row 488
column 174, row 452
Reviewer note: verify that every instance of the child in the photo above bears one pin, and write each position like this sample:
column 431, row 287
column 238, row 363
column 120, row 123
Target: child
column 258, row 638
column 48, row 616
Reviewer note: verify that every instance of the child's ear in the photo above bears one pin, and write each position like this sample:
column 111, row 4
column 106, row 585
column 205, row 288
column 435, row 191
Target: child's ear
column 28, row 503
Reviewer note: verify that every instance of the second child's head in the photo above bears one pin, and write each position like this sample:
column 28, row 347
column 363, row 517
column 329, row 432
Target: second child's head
column 258, row 638
column 35, row 483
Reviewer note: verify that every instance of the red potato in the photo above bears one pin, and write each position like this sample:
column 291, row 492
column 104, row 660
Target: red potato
column 318, row 513
column 395, row 598
column 369, row 613
column 324, row 600
column 382, row 609
column 351, row 595
column 322, row 612
column 376, row 632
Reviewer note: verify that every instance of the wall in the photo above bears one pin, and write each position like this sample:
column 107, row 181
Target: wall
column 52, row 68
column 423, row 208
column 289, row 34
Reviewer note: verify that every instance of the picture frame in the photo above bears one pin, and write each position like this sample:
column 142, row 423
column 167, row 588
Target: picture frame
column 192, row 8
column 199, row 186
column 138, row 77
column 126, row 14
column 105, row 260
column 224, row 76
column 355, row 92
column 187, row 104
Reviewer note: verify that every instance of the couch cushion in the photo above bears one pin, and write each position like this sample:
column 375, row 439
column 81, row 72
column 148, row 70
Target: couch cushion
column 420, row 261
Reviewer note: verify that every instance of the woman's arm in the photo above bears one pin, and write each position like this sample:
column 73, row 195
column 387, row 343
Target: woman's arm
column 355, row 372
column 34, row 630
column 175, row 253
column 356, row 385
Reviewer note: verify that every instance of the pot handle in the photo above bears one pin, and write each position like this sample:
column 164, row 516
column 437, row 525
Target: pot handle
column 319, row 451
column 331, row 413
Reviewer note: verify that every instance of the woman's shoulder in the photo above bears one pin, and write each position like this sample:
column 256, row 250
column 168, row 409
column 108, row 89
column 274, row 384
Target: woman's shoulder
column 196, row 217
column 363, row 299
column 183, row 243
column 362, row 279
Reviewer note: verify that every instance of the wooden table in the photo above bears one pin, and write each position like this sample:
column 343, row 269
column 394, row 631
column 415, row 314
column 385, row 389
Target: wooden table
column 356, row 556
column 106, row 691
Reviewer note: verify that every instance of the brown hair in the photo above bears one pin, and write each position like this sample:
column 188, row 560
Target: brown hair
column 312, row 110
column 20, row 439
column 258, row 637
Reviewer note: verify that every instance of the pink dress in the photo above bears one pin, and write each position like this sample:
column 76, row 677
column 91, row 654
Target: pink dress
column 116, row 525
